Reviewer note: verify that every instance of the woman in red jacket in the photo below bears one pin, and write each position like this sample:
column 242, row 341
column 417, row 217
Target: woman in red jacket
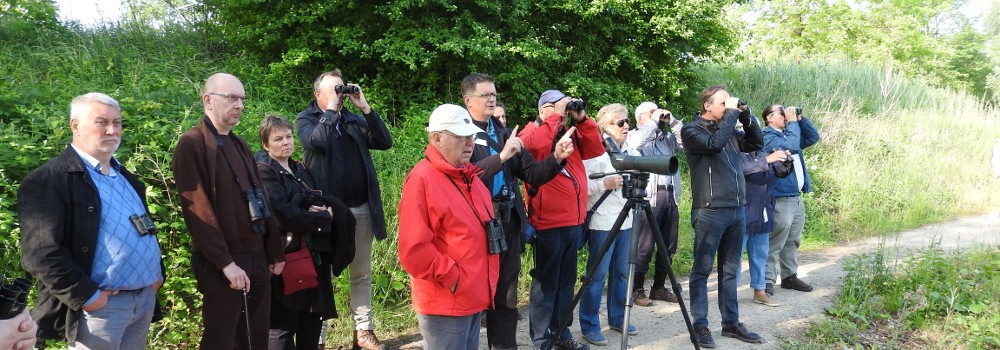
column 444, row 213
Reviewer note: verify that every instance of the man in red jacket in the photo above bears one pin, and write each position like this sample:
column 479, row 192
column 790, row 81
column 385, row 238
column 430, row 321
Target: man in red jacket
column 557, row 209
column 444, row 216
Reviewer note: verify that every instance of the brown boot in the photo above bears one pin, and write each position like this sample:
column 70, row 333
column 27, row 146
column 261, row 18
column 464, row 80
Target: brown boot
column 367, row 340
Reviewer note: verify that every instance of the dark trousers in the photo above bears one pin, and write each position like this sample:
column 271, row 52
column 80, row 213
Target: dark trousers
column 501, row 323
column 667, row 219
column 716, row 230
column 553, row 279
column 300, row 333
column 222, row 310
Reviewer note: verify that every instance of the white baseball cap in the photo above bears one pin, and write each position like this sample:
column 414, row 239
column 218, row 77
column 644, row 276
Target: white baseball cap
column 454, row 119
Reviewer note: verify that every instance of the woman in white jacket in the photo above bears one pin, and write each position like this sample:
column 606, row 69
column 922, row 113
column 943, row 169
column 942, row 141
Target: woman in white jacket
column 613, row 122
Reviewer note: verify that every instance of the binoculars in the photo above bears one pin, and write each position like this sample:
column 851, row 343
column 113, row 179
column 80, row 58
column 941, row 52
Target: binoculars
column 13, row 297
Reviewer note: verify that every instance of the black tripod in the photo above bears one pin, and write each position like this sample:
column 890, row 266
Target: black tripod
column 636, row 193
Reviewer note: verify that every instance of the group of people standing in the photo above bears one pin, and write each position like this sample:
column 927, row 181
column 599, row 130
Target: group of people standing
column 269, row 233
column 456, row 200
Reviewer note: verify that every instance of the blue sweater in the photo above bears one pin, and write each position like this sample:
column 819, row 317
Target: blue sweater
column 796, row 137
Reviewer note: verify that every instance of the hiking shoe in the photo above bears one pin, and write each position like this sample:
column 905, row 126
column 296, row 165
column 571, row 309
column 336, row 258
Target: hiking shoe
column 764, row 299
column 739, row 331
column 366, row 339
column 631, row 329
column 662, row 294
column 571, row 344
column 793, row 282
column 639, row 298
column 595, row 337
column 769, row 289
column 704, row 336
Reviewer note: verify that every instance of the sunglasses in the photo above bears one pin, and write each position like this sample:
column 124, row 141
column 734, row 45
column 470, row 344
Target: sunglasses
column 621, row 123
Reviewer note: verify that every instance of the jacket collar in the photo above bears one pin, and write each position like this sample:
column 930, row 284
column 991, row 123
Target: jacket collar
column 465, row 173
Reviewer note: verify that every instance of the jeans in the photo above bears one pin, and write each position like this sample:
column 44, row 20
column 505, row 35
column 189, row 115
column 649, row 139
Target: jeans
column 615, row 260
column 450, row 332
column 716, row 230
column 123, row 323
column 789, row 220
column 755, row 244
column 361, row 269
column 552, row 280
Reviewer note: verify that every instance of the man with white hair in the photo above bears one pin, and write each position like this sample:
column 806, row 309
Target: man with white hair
column 657, row 133
column 445, row 213
column 87, row 237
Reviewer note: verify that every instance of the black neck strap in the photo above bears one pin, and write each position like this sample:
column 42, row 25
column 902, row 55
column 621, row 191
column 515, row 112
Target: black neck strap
column 219, row 144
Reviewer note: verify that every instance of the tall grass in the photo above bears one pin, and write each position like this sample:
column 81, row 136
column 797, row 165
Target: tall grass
column 895, row 153
column 931, row 300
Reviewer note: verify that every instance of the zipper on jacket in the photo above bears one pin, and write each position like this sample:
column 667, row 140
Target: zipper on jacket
column 576, row 186
column 736, row 172
column 711, row 186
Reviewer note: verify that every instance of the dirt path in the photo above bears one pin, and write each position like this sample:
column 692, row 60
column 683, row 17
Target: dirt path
column 661, row 326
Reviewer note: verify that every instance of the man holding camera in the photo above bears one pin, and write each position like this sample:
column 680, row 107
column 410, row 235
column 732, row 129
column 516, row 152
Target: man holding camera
column 87, row 237
column 718, row 191
column 557, row 210
column 787, row 129
column 236, row 243
column 336, row 147
column 658, row 134
column 498, row 152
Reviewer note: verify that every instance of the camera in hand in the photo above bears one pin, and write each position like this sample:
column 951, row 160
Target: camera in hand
column 576, row 105
column 496, row 241
column 143, row 224
column 258, row 208
column 503, row 203
column 347, row 89
column 13, row 297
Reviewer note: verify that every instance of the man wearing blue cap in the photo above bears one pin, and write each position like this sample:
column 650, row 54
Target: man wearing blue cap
column 557, row 210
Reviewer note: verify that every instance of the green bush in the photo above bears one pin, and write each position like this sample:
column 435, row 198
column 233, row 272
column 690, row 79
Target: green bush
column 869, row 176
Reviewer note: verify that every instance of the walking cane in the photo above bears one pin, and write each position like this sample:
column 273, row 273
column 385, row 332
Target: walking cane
column 246, row 317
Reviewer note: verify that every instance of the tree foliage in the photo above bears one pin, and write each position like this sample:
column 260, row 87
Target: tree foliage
column 927, row 38
column 417, row 51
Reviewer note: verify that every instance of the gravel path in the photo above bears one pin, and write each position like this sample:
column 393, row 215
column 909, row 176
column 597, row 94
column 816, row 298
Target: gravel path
column 661, row 326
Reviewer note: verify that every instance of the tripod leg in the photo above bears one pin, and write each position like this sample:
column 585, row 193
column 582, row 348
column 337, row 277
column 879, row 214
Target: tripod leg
column 676, row 286
column 588, row 277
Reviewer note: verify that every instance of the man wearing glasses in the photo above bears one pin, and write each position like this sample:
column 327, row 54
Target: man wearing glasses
column 237, row 245
column 788, row 130
column 336, row 146
column 557, row 210
column 498, row 152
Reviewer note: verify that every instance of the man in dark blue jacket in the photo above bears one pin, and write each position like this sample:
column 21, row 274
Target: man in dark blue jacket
column 718, row 191
column 789, row 131
column 336, row 146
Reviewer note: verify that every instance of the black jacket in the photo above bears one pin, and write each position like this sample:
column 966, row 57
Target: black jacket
column 320, row 141
column 59, row 211
column 521, row 166
column 331, row 240
column 713, row 154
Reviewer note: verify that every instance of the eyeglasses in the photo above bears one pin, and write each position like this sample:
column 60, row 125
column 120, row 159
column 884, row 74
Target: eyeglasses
column 487, row 96
column 779, row 110
column 461, row 138
column 229, row 97
column 621, row 123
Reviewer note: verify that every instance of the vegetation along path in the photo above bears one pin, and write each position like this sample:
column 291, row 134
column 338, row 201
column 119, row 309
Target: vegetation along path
column 661, row 326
